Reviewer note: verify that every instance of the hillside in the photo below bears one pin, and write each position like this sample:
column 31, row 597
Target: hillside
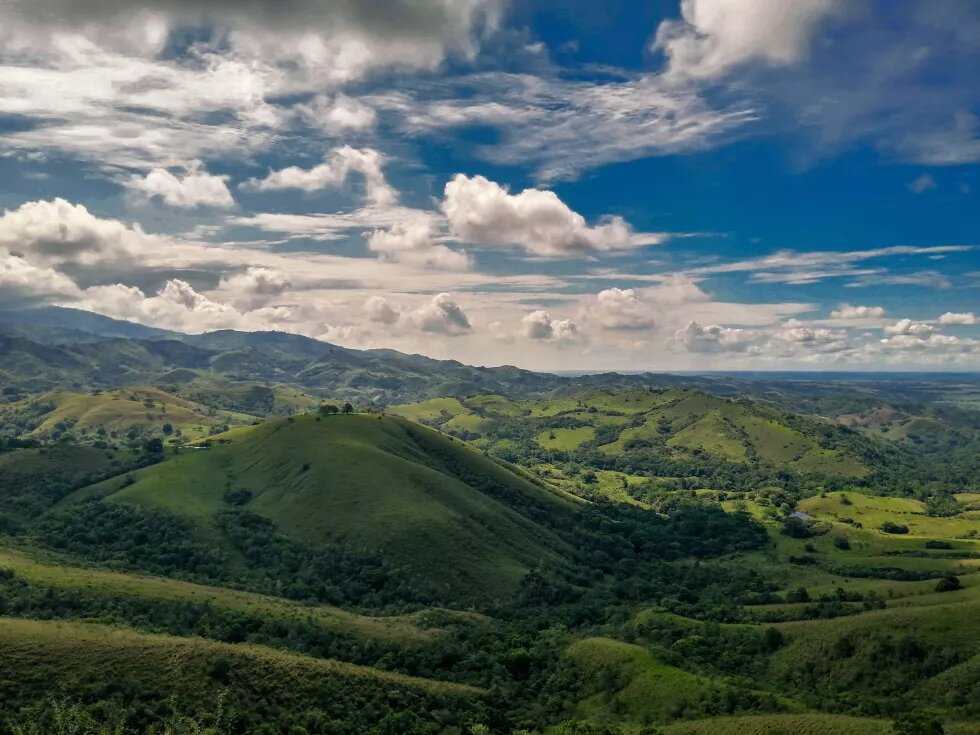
column 678, row 423
column 251, row 685
column 426, row 503
column 140, row 412
column 72, row 350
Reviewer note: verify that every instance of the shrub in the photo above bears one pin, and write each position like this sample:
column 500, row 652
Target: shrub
column 895, row 528
column 949, row 582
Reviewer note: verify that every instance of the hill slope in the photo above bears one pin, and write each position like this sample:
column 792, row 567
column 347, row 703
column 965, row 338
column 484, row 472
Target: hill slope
column 72, row 660
column 429, row 504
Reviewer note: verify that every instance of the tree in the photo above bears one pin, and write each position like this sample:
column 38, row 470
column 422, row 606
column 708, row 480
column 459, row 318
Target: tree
column 327, row 409
column 348, row 408
column 153, row 446
column 949, row 582
column 917, row 723
column 168, row 429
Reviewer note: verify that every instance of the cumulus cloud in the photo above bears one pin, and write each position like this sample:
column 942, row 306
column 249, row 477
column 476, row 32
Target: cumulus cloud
column 482, row 211
column 934, row 344
column 254, row 286
column 337, row 114
column 377, row 309
column 715, row 36
column 412, row 242
column 846, row 311
column 952, row 318
column 334, row 170
column 195, row 187
column 907, row 327
column 57, row 231
column 177, row 305
column 714, row 338
column 442, row 315
column 616, row 308
column 816, row 339
column 538, row 325
column 23, row 283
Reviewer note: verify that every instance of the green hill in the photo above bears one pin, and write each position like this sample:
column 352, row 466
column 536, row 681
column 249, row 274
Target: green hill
column 110, row 415
column 427, row 503
column 673, row 423
column 248, row 686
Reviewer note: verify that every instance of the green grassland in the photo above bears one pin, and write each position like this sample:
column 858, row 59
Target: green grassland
column 375, row 482
column 872, row 512
column 117, row 412
column 41, row 659
column 566, row 439
column 53, row 572
column 795, row 724
column 634, row 684
column 682, row 422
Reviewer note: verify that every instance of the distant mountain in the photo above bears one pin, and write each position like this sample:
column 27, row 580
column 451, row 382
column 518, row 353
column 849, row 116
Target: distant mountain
column 58, row 319
column 53, row 348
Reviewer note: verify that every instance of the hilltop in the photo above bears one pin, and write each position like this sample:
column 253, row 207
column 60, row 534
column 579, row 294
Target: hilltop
column 456, row 520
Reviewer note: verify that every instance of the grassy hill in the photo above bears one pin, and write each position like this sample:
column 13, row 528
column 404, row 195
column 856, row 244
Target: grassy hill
column 243, row 686
column 429, row 504
column 673, row 422
column 97, row 588
column 111, row 415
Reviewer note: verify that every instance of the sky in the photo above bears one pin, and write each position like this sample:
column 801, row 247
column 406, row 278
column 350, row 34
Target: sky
column 657, row 185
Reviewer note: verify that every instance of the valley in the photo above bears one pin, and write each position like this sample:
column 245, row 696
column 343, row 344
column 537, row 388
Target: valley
column 617, row 555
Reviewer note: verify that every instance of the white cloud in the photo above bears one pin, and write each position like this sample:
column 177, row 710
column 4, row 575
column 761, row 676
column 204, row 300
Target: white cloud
column 952, row 145
column 22, row 282
column 412, row 241
column 337, row 114
column 817, row 339
column 846, row 311
column 335, row 169
column 959, row 319
column 254, row 287
column 718, row 35
column 562, row 127
column 616, row 308
column 538, row 325
column 907, row 327
column 378, row 309
column 934, row 344
column 177, row 305
column 714, row 338
column 442, row 315
column 922, row 184
column 481, row 211
column 194, row 188
column 58, row 231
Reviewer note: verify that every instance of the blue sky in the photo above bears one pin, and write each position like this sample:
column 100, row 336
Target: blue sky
column 706, row 184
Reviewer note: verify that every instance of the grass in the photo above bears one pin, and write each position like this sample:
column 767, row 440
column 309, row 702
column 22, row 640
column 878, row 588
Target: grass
column 41, row 660
column 641, row 687
column 565, row 439
column 54, row 573
column 146, row 408
column 873, row 511
column 375, row 482
column 690, row 422
column 795, row 724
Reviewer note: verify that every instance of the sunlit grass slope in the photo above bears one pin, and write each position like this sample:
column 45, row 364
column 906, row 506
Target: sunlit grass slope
column 429, row 503
column 145, row 408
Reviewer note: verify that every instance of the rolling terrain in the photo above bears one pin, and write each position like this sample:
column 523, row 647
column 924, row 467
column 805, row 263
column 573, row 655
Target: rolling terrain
column 433, row 506
column 189, row 529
